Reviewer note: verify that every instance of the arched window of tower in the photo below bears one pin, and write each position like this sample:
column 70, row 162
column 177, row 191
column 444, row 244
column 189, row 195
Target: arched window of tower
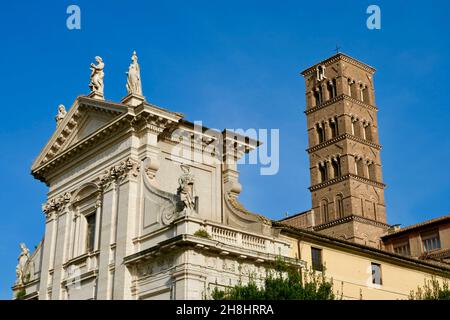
column 318, row 96
column 334, row 127
column 331, row 89
column 323, row 172
column 336, row 165
column 320, row 132
column 352, row 88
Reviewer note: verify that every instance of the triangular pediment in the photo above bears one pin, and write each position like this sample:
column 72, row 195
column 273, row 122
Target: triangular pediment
column 84, row 117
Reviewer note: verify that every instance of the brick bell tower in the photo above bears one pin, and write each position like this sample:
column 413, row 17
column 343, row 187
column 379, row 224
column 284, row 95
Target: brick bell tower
column 347, row 188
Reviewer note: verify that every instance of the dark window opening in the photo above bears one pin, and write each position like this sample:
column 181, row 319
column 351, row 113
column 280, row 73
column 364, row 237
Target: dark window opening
column 336, row 164
column 316, row 258
column 331, row 88
column 318, row 96
column 334, row 128
column 431, row 242
column 323, row 172
column 90, row 234
column 320, row 133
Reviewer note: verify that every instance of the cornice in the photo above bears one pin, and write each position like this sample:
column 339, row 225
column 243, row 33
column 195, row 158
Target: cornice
column 360, row 248
column 335, row 58
column 346, row 177
column 197, row 243
column 350, row 218
column 340, row 138
column 341, row 97
column 195, row 140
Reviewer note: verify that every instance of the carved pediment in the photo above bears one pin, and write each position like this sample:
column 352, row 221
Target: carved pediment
column 85, row 117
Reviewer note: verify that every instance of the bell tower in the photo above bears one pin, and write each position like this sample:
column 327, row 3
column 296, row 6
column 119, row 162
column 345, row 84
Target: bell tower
column 347, row 187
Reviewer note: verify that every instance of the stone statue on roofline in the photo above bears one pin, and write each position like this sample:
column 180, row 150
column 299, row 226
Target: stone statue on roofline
column 61, row 114
column 97, row 76
column 134, row 85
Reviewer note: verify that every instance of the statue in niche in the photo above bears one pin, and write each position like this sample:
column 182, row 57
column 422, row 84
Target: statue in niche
column 61, row 114
column 23, row 259
column 134, row 85
column 97, row 76
column 186, row 189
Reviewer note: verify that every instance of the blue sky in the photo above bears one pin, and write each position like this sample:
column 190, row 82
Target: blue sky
column 203, row 57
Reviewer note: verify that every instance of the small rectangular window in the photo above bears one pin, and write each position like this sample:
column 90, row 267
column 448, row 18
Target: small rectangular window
column 376, row 273
column 316, row 257
column 90, row 232
column 431, row 242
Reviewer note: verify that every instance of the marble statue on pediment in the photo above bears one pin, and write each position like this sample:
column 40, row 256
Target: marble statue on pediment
column 134, row 85
column 61, row 114
column 97, row 76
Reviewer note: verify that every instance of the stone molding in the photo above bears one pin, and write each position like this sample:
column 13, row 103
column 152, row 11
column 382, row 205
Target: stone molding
column 341, row 97
column 340, row 138
column 335, row 58
column 347, row 177
column 348, row 219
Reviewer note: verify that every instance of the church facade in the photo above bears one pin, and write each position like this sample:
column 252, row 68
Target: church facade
column 143, row 204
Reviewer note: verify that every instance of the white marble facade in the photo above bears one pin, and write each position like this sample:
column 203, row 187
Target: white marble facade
column 117, row 222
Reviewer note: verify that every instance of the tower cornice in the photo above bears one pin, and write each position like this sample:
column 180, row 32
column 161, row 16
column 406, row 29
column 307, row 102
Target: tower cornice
column 346, row 177
column 337, row 99
column 337, row 57
column 340, row 138
column 348, row 219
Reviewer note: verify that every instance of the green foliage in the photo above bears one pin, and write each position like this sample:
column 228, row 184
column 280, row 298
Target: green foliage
column 21, row 294
column 286, row 283
column 202, row 233
column 432, row 290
